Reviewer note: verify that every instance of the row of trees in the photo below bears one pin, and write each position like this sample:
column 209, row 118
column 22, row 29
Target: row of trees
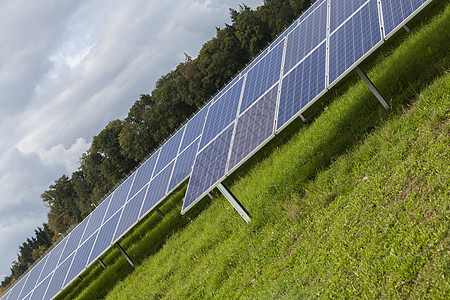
column 123, row 144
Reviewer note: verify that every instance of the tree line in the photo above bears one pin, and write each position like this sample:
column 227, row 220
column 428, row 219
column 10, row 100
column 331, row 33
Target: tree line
column 124, row 144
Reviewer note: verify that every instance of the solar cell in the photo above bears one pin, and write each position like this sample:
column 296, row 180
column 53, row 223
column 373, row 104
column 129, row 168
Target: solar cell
column 58, row 277
column 194, row 127
column 120, row 196
column 80, row 260
column 221, row 114
column 209, row 168
column 310, row 33
column 285, row 33
column 130, row 213
column 15, row 291
column 254, row 127
column 353, row 40
column 310, row 10
column 33, row 277
column 144, row 174
column 157, row 189
column 264, row 75
column 5, row 297
column 395, row 12
column 169, row 150
column 96, row 219
column 39, row 291
column 183, row 165
column 226, row 88
column 255, row 61
column 104, row 237
column 302, row 85
column 73, row 240
column 340, row 10
column 27, row 297
column 53, row 258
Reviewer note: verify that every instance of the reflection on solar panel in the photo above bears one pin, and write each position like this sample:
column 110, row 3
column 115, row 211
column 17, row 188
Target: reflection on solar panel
column 284, row 80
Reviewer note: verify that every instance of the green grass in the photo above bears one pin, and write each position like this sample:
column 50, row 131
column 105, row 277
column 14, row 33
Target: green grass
column 353, row 205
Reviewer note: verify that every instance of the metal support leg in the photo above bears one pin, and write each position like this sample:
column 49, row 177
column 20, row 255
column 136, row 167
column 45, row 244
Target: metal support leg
column 210, row 196
column 235, row 202
column 79, row 277
column 372, row 87
column 303, row 118
column 406, row 28
column 160, row 212
column 102, row 263
column 128, row 258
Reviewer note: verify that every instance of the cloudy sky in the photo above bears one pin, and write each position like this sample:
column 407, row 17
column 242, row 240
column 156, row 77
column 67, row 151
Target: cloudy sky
column 69, row 67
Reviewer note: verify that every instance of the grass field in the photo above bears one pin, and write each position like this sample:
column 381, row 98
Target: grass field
column 354, row 204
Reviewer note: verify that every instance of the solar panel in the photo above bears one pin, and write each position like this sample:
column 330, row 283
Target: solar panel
column 144, row 174
column 360, row 34
column 15, row 291
column 254, row 127
column 58, row 277
column 130, row 213
column 183, row 165
column 209, row 168
column 194, row 127
column 302, row 85
column 254, row 61
column 340, row 10
column 39, row 291
column 120, row 196
column 96, row 219
column 73, row 240
column 5, row 297
column 169, row 150
column 157, row 189
column 307, row 36
column 221, row 114
column 53, row 258
column 105, row 236
column 396, row 12
column 33, row 277
column 264, row 75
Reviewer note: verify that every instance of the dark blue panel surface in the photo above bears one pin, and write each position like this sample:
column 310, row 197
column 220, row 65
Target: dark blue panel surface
column 80, row 260
column 17, row 288
column 221, row 114
column 96, row 219
column 58, row 277
column 194, row 127
column 354, row 39
column 311, row 10
column 183, row 165
column 33, row 277
column 254, row 127
column 105, row 236
column 340, row 10
column 169, row 151
column 39, row 291
column 255, row 61
column 119, row 197
column 264, row 75
column 53, row 258
column 157, row 189
column 301, row 85
column 225, row 88
column 209, row 167
column 130, row 213
column 285, row 33
column 308, row 35
column 73, row 240
column 5, row 297
column 144, row 174
column 396, row 11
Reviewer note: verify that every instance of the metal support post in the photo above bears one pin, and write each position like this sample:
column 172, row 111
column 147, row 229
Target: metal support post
column 160, row 212
column 372, row 87
column 406, row 28
column 210, row 196
column 128, row 258
column 234, row 201
column 303, row 118
column 102, row 263
column 79, row 277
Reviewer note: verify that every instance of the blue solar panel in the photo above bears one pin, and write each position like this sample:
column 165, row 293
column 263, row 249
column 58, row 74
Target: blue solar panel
column 285, row 33
column 221, row 114
column 310, row 10
column 254, row 127
column 104, row 237
column 26, row 297
column 96, row 219
column 53, row 258
column 255, row 61
column 144, row 174
column 395, row 12
column 157, row 189
column 354, row 39
column 15, row 291
column 226, row 88
column 119, row 197
column 302, row 85
column 58, row 277
column 5, row 297
column 80, row 260
column 308, row 35
column 130, row 213
column 39, row 291
column 73, row 240
column 169, row 151
column 194, row 127
column 264, row 75
column 209, row 168
column 340, row 10
column 183, row 165
column 33, row 277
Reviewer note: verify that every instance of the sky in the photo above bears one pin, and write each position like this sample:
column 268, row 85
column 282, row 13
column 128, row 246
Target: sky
column 67, row 68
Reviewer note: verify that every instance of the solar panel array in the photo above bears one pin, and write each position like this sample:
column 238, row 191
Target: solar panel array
column 312, row 55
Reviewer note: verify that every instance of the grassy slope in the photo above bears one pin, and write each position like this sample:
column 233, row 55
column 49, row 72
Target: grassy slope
column 355, row 204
